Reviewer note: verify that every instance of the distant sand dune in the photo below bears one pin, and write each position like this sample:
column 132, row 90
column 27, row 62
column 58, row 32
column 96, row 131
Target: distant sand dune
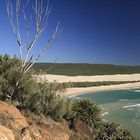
column 75, row 91
column 99, row 78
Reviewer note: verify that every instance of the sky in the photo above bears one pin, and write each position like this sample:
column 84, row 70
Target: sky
column 94, row 31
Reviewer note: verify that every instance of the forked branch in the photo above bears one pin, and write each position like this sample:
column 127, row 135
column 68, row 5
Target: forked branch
column 41, row 14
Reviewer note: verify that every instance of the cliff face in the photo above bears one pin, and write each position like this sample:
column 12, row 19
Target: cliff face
column 14, row 126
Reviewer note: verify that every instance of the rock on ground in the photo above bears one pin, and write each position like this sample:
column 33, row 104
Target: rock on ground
column 6, row 134
column 14, row 124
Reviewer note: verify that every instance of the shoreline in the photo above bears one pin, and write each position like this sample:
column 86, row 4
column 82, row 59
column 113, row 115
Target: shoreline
column 95, row 78
column 87, row 90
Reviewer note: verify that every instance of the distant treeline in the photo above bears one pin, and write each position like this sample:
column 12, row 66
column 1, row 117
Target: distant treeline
column 84, row 69
column 104, row 83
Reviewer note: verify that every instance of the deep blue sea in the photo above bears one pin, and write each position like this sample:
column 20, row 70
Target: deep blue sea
column 121, row 106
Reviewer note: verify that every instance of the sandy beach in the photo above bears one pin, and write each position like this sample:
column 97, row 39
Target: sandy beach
column 98, row 78
column 77, row 91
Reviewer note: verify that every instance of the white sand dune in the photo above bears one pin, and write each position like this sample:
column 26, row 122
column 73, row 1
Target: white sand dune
column 99, row 78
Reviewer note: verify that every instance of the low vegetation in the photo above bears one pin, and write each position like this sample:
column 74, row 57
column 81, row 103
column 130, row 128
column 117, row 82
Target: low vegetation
column 46, row 99
column 104, row 83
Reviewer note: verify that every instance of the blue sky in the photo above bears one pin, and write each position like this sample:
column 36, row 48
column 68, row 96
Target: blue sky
column 94, row 31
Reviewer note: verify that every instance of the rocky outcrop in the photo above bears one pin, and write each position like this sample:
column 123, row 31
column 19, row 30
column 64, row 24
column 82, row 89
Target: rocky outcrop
column 6, row 134
column 39, row 134
column 11, row 117
column 59, row 132
column 14, row 124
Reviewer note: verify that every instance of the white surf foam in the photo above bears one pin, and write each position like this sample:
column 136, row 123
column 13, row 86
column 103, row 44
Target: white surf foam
column 73, row 96
column 128, row 106
column 78, row 98
column 121, row 100
column 106, row 113
column 138, row 90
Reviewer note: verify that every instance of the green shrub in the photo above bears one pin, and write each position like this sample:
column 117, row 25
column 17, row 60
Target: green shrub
column 48, row 100
column 113, row 131
column 86, row 111
column 15, row 87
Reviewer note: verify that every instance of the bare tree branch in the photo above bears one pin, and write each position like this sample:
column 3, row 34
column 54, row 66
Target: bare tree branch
column 41, row 14
column 48, row 45
column 15, row 27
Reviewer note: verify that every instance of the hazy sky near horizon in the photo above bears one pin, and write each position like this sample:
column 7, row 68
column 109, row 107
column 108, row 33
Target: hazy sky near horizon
column 94, row 31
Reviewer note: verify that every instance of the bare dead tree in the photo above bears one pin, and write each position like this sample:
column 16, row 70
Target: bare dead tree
column 41, row 14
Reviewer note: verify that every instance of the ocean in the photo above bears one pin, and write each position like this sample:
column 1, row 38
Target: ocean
column 121, row 106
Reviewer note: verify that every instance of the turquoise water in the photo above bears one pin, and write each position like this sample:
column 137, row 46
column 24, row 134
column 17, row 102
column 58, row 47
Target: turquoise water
column 121, row 106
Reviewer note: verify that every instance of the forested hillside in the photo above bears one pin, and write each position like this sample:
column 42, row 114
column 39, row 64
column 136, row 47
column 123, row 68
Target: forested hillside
column 84, row 69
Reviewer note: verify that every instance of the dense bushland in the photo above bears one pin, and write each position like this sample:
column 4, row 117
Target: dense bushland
column 28, row 95
column 84, row 69
column 46, row 99
column 15, row 87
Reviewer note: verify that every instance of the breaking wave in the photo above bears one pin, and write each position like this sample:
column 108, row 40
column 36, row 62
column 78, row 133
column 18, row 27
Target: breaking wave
column 106, row 113
column 121, row 100
column 128, row 106
column 137, row 90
